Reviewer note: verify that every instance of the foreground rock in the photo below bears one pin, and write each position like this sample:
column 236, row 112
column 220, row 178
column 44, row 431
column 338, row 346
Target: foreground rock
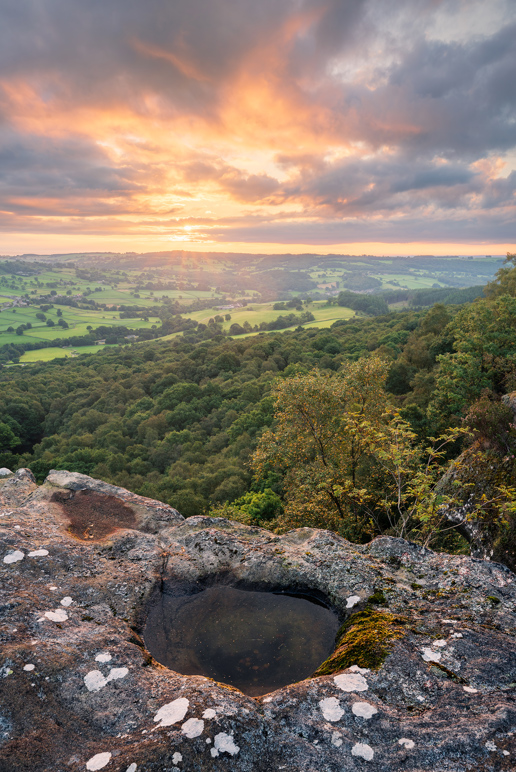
column 79, row 561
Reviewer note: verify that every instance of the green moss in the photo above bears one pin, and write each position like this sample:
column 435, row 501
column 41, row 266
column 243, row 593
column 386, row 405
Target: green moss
column 365, row 639
column 377, row 599
column 494, row 600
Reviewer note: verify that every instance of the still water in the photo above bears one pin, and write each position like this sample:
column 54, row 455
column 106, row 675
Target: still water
column 255, row 641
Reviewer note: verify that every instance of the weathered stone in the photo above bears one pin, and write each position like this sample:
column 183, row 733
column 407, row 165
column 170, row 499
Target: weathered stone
column 79, row 691
column 16, row 488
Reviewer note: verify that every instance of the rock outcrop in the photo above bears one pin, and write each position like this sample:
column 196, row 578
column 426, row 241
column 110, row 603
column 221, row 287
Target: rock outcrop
column 79, row 561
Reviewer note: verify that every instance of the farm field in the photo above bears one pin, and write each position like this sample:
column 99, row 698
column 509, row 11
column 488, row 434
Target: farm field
column 255, row 313
column 407, row 281
column 77, row 319
column 46, row 354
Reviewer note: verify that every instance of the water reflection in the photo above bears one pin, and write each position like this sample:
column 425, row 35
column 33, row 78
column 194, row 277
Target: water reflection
column 255, row 641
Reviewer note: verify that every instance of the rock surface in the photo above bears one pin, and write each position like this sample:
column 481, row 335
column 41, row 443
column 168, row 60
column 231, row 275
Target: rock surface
column 78, row 690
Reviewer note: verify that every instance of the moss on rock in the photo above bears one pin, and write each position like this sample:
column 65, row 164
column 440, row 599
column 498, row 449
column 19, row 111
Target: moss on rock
column 365, row 639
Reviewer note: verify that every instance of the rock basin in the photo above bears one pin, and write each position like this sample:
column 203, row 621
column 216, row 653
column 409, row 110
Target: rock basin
column 255, row 641
column 79, row 689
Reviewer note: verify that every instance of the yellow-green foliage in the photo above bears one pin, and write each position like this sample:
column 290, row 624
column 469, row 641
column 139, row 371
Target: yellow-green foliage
column 364, row 639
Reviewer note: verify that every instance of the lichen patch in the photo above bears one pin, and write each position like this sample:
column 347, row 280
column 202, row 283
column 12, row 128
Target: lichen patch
column 94, row 681
column 336, row 739
column 364, row 710
column 38, row 553
column 224, row 743
column 14, row 556
column 431, row 656
column 363, row 751
column 331, row 709
column 59, row 615
column 172, row 712
column 351, row 682
column 103, row 657
column 99, row 761
column 116, row 673
column 407, row 744
column 193, row 728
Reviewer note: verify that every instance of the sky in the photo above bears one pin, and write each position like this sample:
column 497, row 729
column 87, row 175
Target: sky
column 351, row 126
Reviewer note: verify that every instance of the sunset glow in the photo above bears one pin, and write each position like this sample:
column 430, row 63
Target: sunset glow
column 352, row 126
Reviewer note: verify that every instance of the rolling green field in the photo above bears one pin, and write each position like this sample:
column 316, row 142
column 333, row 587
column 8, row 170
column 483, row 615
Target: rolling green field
column 78, row 320
column 46, row 354
column 255, row 313
column 411, row 281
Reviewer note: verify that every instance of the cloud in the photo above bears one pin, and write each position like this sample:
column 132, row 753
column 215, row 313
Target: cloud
column 346, row 116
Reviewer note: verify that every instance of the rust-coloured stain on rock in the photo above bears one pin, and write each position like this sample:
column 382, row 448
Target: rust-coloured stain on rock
column 94, row 515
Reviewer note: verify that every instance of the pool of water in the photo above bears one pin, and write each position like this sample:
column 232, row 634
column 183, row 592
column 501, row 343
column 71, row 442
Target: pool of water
column 255, row 641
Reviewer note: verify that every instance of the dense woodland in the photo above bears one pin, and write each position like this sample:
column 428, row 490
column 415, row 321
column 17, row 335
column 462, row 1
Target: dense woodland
column 383, row 404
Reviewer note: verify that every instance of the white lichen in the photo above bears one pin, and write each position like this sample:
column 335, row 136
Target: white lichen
column 357, row 669
column 104, row 657
column 38, row 554
column 352, row 601
column 407, row 744
column 363, row 709
column 66, row 601
column 192, row 728
column 59, row 615
column 224, row 743
column 336, row 739
column 14, row 556
column 176, row 758
column 117, row 672
column 209, row 713
column 28, row 668
column 331, row 709
column 99, row 761
column 439, row 643
column 362, row 750
column 172, row 712
column 431, row 656
column 94, row 681
column 470, row 690
column 132, row 768
column 351, row 682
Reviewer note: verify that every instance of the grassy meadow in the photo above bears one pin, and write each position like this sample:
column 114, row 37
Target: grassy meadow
column 255, row 313
column 78, row 321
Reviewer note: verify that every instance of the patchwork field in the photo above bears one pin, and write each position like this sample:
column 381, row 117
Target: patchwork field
column 255, row 313
column 46, row 354
column 78, row 321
